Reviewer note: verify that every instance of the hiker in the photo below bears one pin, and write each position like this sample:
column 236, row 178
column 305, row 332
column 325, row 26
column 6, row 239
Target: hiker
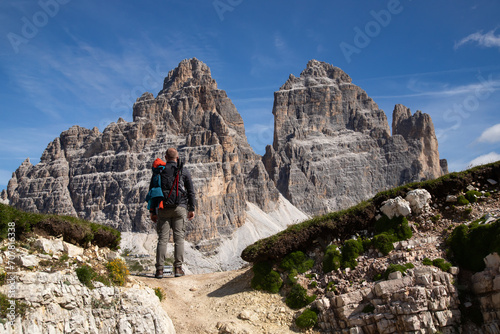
column 171, row 209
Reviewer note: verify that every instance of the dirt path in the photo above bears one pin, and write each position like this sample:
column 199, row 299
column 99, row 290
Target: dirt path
column 222, row 302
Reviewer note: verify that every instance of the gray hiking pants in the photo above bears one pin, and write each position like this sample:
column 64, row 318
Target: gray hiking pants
column 175, row 219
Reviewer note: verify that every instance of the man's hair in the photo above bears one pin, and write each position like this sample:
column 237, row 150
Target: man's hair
column 171, row 154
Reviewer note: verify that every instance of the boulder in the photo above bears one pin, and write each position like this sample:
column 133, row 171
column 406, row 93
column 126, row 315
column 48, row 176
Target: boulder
column 419, row 200
column 72, row 250
column 396, row 207
column 51, row 246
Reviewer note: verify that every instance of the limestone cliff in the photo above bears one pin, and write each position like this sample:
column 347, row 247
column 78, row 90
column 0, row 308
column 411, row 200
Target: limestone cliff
column 332, row 144
column 104, row 177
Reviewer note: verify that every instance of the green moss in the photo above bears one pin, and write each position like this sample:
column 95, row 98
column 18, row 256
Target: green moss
column 297, row 297
column 265, row 278
column 441, row 264
column 384, row 242
column 350, row 251
column 73, row 229
column 292, row 276
column 395, row 267
column 427, row 262
column 469, row 245
column 472, row 196
column 332, row 259
column 308, row 319
column 331, row 287
column 409, row 265
column 461, row 200
column 298, row 261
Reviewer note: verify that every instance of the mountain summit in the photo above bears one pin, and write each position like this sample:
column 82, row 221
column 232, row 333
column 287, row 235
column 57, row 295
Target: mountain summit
column 332, row 148
column 332, row 144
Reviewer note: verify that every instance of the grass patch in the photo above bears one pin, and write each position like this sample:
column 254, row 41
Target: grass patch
column 342, row 224
column 74, row 230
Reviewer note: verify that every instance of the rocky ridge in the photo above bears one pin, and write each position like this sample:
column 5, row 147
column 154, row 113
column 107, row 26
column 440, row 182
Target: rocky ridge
column 54, row 300
column 104, row 177
column 328, row 136
column 332, row 145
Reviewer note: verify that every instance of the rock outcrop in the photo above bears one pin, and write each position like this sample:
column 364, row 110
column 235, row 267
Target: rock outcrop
column 486, row 286
column 332, row 144
column 104, row 177
column 49, row 297
column 425, row 301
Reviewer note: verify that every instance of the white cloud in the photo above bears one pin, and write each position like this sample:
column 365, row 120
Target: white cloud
column 488, row 39
column 485, row 159
column 490, row 135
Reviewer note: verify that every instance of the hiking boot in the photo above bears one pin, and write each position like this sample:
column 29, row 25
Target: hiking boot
column 159, row 273
column 179, row 272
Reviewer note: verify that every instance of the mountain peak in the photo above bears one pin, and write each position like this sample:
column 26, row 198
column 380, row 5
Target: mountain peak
column 317, row 73
column 189, row 72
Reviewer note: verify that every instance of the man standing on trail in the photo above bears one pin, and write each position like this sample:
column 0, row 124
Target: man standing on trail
column 176, row 205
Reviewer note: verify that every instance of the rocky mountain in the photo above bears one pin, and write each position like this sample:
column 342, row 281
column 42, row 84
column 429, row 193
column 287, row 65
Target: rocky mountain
column 332, row 148
column 104, row 177
column 332, row 145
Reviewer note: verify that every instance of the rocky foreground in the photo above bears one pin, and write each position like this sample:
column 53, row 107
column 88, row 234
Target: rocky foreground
column 424, row 299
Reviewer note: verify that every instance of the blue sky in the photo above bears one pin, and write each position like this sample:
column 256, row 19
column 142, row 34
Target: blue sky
column 67, row 62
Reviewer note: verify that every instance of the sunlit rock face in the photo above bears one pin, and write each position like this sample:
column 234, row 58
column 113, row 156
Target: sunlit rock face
column 104, row 177
column 332, row 145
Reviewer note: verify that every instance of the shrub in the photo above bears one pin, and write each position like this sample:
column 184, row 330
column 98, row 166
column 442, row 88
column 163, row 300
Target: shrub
column 441, row 264
column 297, row 260
column 3, row 278
column 292, row 276
column 350, row 252
column 313, row 284
column 409, row 265
column 159, row 293
column 118, row 271
column 20, row 307
column 298, row 298
column 461, row 200
column 307, row 319
column 393, row 268
column 331, row 287
column 469, row 245
column 86, row 274
column 384, row 242
column 472, row 196
column 397, row 226
column 427, row 262
column 265, row 278
column 332, row 259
